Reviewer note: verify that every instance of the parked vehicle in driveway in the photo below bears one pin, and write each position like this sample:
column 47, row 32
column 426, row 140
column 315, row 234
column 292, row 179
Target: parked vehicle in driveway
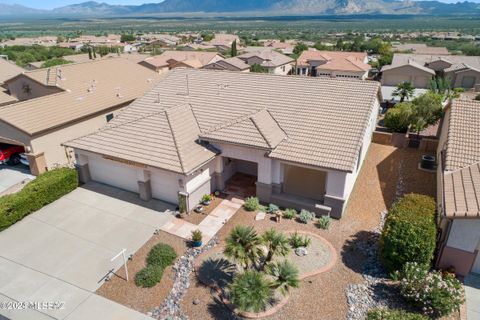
column 10, row 153
column 24, row 159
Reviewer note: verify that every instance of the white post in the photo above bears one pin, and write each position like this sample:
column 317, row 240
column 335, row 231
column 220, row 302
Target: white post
column 122, row 253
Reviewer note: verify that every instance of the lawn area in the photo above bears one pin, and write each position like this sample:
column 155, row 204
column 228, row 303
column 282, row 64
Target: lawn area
column 387, row 174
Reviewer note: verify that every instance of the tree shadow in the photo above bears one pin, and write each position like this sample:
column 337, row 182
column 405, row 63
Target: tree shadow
column 218, row 272
column 218, row 310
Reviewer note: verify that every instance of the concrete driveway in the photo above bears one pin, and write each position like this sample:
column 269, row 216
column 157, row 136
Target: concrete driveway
column 472, row 295
column 62, row 252
column 12, row 176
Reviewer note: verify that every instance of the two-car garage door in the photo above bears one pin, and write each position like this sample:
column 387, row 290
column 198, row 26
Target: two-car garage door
column 164, row 184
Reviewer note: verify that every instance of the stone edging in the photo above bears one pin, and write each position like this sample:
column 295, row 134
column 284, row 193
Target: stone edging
column 278, row 306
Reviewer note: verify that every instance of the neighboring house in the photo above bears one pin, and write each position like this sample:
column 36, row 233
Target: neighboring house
column 274, row 62
column 130, row 48
column 420, row 48
column 181, row 59
column 335, row 64
column 230, row 64
column 462, row 71
column 197, row 128
column 458, row 187
column 8, row 70
column 195, row 47
column 223, row 42
column 163, row 40
column 285, row 47
column 65, row 102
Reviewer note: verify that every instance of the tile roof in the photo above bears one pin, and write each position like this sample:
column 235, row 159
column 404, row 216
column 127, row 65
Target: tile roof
column 8, row 70
column 411, row 63
column 421, row 48
column 270, row 58
column 335, row 60
column 323, row 120
column 462, row 192
column 89, row 87
column 423, row 59
column 463, row 137
column 163, row 60
column 6, row 98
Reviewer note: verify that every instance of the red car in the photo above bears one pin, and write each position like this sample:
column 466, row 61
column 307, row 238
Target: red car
column 10, row 153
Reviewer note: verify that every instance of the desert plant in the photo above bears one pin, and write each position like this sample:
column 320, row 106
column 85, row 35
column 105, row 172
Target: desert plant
column 272, row 208
column 398, row 118
column 243, row 246
column 149, row 276
column 285, row 276
column 251, row 204
column 289, row 214
column 206, row 198
column 197, row 235
column 436, row 293
column 410, row 232
column 390, row 314
column 297, row 241
column 277, row 244
column 161, row 255
column 251, row 291
column 305, row 216
column 404, row 90
column 324, row 222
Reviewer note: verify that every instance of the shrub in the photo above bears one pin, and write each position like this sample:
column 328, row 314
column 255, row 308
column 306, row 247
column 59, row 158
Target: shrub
column 251, row 291
column 398, row 118
column 149, row 276
column 297, row 241
column 306, row 216
column 251, row 204
column 272, row 208
column 197, row 235
column 244, row 246
column 45, row 189
column 389, row 314
column 438, row 295
column 324, row 222
column 206, row 197
column 289, row 214
column 285, row 275
column 161, row 255
column 410, row 232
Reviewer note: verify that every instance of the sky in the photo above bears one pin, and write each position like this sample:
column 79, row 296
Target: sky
column 50, row 4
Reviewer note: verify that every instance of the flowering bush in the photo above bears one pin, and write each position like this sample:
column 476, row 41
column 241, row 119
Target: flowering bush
column 438, row 295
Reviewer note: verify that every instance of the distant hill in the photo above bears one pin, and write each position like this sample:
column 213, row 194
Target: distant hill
column 280, row 7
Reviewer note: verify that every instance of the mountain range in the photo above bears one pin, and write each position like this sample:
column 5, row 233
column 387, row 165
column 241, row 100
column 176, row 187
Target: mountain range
column 292, row 7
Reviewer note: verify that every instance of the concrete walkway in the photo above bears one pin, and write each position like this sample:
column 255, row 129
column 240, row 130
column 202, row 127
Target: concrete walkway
column 472, row 292
column 62, row 252
column 11, row 178
column 210, row 225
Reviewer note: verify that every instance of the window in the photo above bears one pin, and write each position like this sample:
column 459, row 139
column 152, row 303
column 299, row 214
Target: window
column 109, row 117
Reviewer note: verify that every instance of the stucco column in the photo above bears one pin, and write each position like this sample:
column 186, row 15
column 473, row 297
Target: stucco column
column 81, row 164
column 37, row 163
column 217, row 176
column 335, row 193
column 264, row 181
column 144, row 185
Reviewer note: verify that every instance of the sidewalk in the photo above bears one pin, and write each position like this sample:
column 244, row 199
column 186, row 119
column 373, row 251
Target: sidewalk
column 472, row 293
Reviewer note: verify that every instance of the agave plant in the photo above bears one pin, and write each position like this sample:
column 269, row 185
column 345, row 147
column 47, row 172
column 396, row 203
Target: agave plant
column 243, row 246
column 285, row 276
column 251, row 291
column 277, row 244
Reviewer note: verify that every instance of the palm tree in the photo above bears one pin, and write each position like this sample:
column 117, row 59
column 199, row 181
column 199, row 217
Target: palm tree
column 251, row 291
column 285, row 274
column 404, row 90
column 243, row 246
column 277, row 244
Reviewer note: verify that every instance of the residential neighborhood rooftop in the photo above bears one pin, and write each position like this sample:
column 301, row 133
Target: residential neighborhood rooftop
column 404, row 58
column 196, row 59
column 8, row 70
column 270, row 58
column 318, row 128
column 335, row 60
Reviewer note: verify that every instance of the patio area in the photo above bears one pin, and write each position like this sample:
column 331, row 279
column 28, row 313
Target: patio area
column 241, row 185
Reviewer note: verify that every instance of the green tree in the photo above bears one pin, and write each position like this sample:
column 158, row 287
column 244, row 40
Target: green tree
column 243, row 246
column 233, row 49
column 55, row 62
column 404, row 90
column 127, row 38
column 399, row 118
column 285, row 276
column 251, row 291
column 277, row 244
column 427, row 110
column 299, row 48
column 258, row 68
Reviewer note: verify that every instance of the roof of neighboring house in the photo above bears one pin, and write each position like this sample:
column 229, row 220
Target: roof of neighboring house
column 335, row 60
column 89, row 88
column 410, row 63
column 232, row 64
column 462, row 192
column 460, row 67
column 463, row 147
column 421, row 48
column 423, row 59
column 270, row 58
column 84, row 57
column 224, row 39
column 296, row 119
column 181, row 56
column 6, row 98
column 8, row 70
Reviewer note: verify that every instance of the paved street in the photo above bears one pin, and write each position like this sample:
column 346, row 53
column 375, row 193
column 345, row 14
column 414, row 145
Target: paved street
column 62, row 252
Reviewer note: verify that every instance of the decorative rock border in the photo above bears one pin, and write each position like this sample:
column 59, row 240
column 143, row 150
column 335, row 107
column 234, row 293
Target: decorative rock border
column 279, row 305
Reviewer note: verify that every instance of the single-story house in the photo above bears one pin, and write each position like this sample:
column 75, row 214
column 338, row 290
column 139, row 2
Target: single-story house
column 197, row 128
column 169, row 60
column 65, row 102
column 274, row 62
column 419, row 69
column 420, row 48
column 459, row 188
column 230, row 64
column 8, row 70
column 334, row 64
column 223, row 42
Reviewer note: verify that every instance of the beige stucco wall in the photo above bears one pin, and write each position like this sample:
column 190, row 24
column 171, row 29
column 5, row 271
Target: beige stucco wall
column 457, row 79
column 304, row 182
column 50, row 143
column 464, row 234
column 16, row 88
column 417, row 77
